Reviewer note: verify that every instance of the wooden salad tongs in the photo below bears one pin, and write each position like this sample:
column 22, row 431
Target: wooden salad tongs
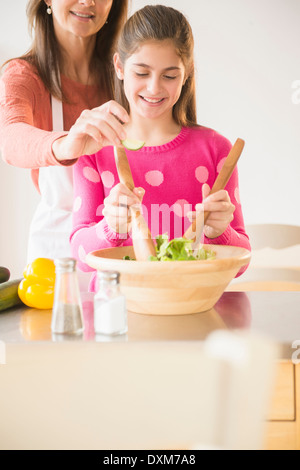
column 195, row 230
column 143, row 244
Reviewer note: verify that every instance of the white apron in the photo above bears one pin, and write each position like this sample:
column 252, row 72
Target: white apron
column 51, row 225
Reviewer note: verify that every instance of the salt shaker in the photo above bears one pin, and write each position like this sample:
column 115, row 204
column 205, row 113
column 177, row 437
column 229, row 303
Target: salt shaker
column 67, row 315
column 110, row 314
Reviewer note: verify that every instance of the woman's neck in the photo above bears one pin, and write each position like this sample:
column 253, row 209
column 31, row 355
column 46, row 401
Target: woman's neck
column 76, row 58
column 153, row 132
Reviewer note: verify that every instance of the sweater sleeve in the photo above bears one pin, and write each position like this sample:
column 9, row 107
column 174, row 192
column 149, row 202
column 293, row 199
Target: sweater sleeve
column 23, row 143
column 90, row 230
column 235, row 234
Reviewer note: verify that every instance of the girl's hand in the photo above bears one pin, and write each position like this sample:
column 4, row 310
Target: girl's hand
column 94, row 129
column 221, row 211
column 117, row 207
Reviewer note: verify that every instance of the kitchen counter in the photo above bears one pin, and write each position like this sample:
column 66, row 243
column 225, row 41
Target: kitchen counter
column 79, row 382
column 274, row 314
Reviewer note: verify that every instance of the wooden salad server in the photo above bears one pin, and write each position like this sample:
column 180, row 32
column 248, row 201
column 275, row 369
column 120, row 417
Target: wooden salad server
column 143, row 244
column 195, row 230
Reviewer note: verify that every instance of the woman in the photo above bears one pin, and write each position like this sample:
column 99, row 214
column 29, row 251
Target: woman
column 51, row 106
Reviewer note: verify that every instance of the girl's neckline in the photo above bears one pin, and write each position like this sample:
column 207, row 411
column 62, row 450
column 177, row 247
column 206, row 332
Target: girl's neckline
column 169, row 145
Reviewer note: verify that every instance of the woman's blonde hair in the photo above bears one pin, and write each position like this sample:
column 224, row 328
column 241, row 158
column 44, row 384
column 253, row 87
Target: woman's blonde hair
column 159, row 23
column 45, row 52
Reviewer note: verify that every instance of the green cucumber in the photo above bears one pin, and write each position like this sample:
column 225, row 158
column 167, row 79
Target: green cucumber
column 9, row 295
column 4, row 274
column 131, row 144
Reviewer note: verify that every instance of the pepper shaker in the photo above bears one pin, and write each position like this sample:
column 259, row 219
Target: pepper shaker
column 110, row 314
column 67, row 315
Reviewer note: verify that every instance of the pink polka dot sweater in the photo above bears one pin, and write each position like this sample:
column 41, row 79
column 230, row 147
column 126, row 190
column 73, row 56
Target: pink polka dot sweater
column 172, row 176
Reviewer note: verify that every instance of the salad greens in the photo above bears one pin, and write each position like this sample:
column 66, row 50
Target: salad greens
column 178, row 249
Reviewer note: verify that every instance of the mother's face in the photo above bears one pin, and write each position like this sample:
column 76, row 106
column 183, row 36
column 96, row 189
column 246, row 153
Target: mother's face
column 82, row 18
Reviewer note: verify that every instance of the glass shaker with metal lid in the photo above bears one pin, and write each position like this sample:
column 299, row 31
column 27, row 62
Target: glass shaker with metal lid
column 110, row 314
column 67, row 315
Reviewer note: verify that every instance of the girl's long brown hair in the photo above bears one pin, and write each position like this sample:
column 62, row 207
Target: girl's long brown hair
column 158, row 23
column 45, row 53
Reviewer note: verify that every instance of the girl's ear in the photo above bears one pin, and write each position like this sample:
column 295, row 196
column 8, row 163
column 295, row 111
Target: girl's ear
column 118, row 67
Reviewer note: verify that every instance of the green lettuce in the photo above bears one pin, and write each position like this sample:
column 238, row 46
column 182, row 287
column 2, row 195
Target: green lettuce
column 178, row 249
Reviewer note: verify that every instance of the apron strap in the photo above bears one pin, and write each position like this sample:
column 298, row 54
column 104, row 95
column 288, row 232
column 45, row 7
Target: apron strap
column 57, row 114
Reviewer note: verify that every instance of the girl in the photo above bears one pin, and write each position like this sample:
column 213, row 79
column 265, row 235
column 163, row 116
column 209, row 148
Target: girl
column 175, row 170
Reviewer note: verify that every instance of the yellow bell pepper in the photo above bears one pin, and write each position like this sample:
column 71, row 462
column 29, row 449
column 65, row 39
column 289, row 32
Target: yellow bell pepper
column 37, row 288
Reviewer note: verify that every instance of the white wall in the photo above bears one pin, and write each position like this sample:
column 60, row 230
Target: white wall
column 247, row 58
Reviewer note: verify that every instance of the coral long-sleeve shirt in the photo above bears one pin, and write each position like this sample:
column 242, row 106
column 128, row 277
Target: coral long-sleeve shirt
column 26, row 135
column 172, row 176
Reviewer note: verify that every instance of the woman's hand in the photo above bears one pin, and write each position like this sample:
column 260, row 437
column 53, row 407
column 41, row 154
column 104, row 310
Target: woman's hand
column 221, row 211
column 117, row 207
column 94, row 129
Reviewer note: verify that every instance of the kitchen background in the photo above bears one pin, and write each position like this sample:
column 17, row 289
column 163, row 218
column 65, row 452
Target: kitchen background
column 248, row 77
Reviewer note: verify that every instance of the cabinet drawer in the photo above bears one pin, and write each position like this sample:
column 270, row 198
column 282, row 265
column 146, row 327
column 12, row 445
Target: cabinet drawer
column 280, row 435
column 283, row 399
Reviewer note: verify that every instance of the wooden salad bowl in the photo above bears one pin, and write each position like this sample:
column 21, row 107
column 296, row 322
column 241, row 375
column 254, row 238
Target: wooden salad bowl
column 172, row 287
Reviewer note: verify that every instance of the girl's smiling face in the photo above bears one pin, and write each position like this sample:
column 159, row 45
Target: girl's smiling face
column 153, row 79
